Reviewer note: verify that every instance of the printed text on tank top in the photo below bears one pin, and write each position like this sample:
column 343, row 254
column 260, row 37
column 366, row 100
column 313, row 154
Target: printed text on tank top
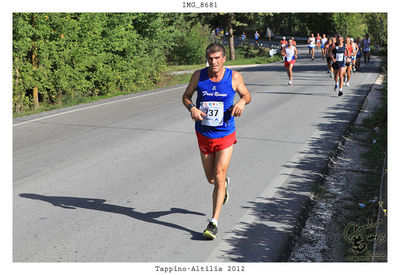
column 339, row 52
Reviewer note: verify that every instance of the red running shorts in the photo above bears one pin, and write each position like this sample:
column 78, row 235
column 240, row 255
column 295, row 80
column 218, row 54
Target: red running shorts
column 290, row 62
column 213, row 145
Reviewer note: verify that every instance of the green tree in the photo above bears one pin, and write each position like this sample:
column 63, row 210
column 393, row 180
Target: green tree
column 377, row 27
column 349, row 24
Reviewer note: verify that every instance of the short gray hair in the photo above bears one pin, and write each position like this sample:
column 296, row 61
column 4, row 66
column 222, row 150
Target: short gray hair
column 215, row 47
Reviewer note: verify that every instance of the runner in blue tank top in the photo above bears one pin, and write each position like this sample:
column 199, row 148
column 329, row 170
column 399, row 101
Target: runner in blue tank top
column 214, row 114
column 214, row 97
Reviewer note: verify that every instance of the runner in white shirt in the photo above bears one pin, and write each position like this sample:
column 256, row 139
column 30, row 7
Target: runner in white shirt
column 290, row 54
column 311, row 45
column 323, row 41
column 366, row 48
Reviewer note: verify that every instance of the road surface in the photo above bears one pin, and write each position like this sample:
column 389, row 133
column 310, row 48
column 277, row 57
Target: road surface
column 121, row 180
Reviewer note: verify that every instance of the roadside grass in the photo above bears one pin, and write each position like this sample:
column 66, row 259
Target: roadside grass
column 167, row 80
column 243, row 57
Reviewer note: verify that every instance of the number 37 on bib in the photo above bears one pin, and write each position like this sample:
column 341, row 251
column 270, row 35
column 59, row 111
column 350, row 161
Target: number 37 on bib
column 214, row 111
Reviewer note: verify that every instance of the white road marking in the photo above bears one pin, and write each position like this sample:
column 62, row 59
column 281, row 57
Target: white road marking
column 93, row 106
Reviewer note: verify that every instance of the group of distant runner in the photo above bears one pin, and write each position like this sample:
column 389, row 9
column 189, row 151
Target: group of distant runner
column 257, row 36
column 343, row 56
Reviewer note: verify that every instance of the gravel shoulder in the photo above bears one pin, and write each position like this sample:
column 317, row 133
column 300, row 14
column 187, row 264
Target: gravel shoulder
column 323, row 238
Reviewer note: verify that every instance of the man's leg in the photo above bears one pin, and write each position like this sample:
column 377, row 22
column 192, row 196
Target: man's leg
column 336, row 75
column 222, row 160
column 349, row 68
column 290, row 71
column 208, row 161
column 342, row 72
column 216, row 167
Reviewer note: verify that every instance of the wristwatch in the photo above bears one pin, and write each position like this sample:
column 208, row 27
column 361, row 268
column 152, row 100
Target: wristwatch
column 190, row 106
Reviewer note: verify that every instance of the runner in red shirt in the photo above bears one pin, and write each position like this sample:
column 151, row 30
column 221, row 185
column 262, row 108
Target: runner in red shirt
column 318, row 41
column 283, row 43
column 328, row 44
column 349, row 62
column 294, row 42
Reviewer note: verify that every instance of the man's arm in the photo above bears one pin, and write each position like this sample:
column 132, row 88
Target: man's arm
column 331, row 54
column 245, row 97
column 195, row 113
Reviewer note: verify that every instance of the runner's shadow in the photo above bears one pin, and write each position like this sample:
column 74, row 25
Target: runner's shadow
column 100, row 205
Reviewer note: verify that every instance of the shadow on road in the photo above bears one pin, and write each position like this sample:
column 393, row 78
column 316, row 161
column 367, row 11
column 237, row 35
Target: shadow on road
column 100, row 205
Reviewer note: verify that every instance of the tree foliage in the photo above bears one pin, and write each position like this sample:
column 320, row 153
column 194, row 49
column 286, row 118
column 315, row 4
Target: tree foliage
column 67, row 55
column 61, row 56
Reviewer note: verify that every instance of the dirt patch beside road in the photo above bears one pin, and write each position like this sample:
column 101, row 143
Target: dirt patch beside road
column 342, row 225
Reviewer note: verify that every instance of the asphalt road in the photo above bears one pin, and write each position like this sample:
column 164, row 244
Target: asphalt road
column 121, row 179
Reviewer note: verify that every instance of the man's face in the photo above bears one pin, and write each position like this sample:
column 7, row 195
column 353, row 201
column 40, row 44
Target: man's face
column 216, row 61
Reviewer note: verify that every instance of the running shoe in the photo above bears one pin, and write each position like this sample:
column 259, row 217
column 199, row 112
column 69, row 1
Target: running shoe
column 340, row 93
column 210, row 233
column 290, row 82
column 331, row 75
column 347, row 84
column 227, row 182
column 336, row 86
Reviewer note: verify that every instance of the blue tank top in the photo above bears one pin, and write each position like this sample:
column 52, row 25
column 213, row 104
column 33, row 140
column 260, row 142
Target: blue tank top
column 222, row 91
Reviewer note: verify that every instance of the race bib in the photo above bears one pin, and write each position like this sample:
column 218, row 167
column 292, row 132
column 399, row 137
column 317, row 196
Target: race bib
column 289, row 58
column 339, row 57
column 214, row 111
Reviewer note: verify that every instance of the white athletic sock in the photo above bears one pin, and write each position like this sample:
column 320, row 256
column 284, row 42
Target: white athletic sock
column 214, row 221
